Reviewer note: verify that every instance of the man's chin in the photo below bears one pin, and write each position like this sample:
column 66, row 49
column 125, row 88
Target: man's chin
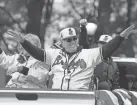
column 72, row 50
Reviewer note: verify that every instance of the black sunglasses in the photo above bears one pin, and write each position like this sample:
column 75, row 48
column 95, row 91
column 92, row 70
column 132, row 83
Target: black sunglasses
column 71, row 39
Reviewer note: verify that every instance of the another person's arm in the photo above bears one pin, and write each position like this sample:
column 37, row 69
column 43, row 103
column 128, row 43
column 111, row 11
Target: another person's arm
column 22, row 69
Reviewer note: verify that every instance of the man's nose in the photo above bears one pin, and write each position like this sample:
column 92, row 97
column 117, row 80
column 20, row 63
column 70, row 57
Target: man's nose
column 72, row 42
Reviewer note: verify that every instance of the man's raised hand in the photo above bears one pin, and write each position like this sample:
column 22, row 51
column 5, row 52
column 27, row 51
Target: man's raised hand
column 83, row 22
column 16, row 35
column 127, row 31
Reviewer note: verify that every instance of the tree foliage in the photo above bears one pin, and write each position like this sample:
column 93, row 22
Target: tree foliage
column 46, row 18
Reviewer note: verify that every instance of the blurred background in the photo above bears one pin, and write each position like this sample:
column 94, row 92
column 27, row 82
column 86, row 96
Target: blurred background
column 46, row 18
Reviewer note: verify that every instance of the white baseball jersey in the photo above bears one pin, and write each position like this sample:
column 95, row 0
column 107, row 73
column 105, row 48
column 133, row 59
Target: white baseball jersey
column 72, row 73
column 36, row 69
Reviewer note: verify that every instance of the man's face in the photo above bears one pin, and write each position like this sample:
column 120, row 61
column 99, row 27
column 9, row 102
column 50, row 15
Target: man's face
column 70, row 44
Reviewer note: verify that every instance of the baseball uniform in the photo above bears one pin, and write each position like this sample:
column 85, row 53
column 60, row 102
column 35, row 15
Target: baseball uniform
column 72, row 73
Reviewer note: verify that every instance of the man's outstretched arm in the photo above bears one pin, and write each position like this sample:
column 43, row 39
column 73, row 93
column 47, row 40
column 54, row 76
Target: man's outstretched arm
column 34, row 51
column 37, row 53
column 111, row 46
column 83, row 37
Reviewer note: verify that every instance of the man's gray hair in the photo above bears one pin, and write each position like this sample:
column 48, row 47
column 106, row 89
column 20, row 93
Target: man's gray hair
column 33, row 39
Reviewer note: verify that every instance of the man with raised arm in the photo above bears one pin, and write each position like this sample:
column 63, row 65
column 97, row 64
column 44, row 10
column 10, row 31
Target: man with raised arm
column 72, row 66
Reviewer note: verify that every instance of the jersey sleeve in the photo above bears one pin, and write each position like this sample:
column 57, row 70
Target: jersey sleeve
column 49, row 55
column 95, row 55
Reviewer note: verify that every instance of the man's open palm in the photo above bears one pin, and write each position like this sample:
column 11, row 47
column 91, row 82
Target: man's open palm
column 16, row 35
column 127, row 31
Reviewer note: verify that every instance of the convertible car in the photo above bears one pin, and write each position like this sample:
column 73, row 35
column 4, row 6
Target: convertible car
column 128, row 72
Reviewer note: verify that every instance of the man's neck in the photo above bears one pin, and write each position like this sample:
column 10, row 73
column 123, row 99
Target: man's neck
column 70, row 54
